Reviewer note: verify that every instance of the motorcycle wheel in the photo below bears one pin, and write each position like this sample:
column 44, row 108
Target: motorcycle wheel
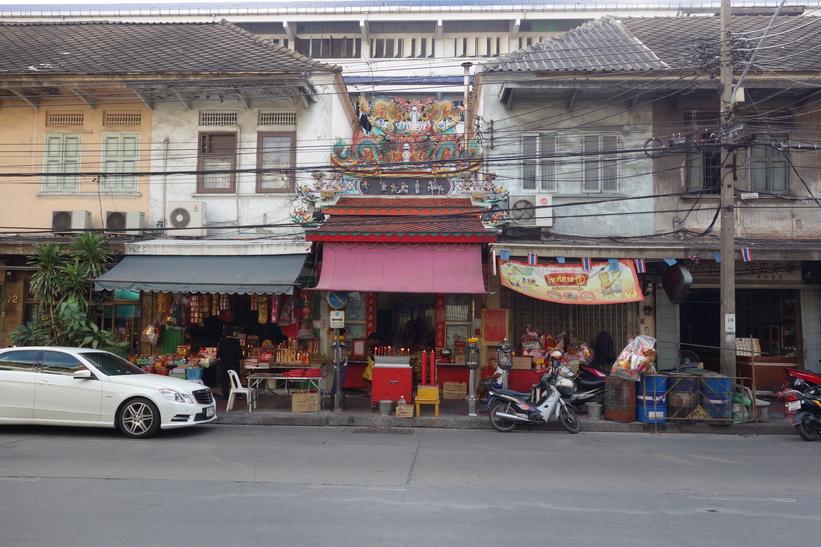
column 501, row 424
column 568, row 419
column 806, row 429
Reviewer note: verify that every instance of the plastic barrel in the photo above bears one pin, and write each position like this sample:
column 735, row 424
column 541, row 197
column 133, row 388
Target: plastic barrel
column 651, row 399
column 682, row 396
column 717, row 397
column 619, row 399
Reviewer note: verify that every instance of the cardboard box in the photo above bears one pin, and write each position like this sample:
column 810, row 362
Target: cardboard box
column 305, row 402
column 404, row 411
column 454, row 390
column 522, row 363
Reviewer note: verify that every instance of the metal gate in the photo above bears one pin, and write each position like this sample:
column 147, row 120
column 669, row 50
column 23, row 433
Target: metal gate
column 582, row 323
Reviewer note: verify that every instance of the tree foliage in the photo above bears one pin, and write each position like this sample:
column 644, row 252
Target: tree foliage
column 63, row 282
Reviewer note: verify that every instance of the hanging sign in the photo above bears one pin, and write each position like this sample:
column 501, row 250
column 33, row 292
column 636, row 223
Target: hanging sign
column 604, row 283
column 337, row 319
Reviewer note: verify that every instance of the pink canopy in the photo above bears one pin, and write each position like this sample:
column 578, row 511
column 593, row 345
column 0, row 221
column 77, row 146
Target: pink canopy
column 402, row 268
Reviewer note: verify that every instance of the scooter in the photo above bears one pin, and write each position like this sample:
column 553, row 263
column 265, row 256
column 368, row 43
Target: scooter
column 802, row 380
column 807, row 419
column 507, row 411
column 587, row 384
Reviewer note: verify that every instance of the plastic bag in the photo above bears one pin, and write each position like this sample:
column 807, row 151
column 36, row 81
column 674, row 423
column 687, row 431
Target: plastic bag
column 638, row 357
column 151, row 334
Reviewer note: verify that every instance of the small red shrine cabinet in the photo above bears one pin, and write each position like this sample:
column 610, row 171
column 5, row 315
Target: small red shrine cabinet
column 392, row 379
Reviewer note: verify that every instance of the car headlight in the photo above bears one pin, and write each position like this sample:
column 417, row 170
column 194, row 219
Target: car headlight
column 173, row 395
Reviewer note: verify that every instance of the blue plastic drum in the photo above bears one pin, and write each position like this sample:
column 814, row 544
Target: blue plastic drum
column 717, row 397
column 651, row 399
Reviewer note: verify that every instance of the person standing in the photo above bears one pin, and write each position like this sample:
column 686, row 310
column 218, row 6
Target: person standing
column 229, row 354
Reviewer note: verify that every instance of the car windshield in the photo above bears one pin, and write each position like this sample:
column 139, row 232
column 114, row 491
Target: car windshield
column 111, row 365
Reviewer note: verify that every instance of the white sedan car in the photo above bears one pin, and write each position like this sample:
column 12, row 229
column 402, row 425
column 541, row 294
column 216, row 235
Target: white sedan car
column 93, row 388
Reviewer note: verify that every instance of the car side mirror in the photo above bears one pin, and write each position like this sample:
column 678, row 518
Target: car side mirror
column 84, row 374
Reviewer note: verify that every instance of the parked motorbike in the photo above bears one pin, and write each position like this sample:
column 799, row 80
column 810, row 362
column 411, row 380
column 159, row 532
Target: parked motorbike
column 587, row 384
column 807, row 419
column 507, row 411
column 802, row 380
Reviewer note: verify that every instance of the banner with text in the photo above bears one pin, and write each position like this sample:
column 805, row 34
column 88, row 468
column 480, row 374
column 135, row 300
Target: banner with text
column 612, row 282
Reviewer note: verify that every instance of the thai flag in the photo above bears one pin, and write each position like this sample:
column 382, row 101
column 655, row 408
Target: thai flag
column 533, row 259
column 746, row 254
column 587, row 264
column 639, row 265
column 695, row 259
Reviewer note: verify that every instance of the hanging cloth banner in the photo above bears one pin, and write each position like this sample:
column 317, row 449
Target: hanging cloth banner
column 572, row 284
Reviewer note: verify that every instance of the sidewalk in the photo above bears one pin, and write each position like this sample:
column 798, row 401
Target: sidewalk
column 274, row 409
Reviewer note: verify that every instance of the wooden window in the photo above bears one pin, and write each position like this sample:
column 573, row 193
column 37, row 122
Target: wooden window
column 769, row 169
column 62, row 157
column 217, row 162
column 600, row 163
column 276, row 158
column 539, row 162
column 121, row 154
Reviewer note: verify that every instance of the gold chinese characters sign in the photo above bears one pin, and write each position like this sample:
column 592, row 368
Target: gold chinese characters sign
column 612, row 282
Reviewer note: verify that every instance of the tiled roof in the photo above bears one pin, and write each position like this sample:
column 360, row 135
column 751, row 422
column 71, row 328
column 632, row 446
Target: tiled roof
column 370, row 227
column 600, row 45
column 398, row 206
column 660, row 43
column 143, row 48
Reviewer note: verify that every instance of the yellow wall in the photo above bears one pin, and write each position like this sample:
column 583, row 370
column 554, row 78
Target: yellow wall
column 23, row 129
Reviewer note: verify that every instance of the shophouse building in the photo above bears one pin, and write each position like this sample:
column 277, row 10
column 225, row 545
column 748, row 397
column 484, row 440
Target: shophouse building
column 182, row 143
column 617, row 124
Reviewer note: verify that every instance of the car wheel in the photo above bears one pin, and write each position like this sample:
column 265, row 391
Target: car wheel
column 139, row 418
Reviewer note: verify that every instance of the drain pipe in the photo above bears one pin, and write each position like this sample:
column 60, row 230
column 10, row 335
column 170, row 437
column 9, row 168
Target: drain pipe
column 167, row 143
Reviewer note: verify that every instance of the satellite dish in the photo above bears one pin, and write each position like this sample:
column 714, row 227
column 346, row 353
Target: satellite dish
column 180, row 217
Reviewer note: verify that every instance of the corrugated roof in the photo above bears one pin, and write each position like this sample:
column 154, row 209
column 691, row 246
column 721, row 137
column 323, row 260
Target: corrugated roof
column 665, row 43
column 421, row 5
column 144, row 48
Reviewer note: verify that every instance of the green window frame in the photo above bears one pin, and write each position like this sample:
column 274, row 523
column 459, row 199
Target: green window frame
column 121, row 154
column 62, row 157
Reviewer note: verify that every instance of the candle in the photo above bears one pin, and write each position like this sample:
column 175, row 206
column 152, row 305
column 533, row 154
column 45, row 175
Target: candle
column 433, row 368
column 424, row 367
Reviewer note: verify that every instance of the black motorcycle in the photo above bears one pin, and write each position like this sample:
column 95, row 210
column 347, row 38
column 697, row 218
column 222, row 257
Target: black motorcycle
column 807, row 407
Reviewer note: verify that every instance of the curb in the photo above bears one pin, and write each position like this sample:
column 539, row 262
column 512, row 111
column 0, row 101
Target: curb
column 344, row 419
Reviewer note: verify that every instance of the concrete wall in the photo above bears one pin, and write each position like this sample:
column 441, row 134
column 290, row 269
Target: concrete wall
column 176, row 129
column 550, row 113
column 766, row 217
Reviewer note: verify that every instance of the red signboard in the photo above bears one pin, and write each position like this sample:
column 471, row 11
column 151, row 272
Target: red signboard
column 494, row 325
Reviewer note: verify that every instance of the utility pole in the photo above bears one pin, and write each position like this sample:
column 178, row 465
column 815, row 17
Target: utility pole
column 728, row 174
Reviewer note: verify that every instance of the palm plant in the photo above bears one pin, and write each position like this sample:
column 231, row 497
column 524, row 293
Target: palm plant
column 63, row 282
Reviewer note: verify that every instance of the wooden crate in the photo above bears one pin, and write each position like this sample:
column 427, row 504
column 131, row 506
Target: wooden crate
column 454, row 390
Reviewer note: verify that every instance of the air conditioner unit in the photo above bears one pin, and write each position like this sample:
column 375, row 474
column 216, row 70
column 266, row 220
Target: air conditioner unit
column 531, row 210
column 186, row 218
column 67, row 222
column 129, row 223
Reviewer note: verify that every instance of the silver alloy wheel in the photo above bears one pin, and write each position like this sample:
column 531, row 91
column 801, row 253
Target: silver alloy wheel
column 139, row 418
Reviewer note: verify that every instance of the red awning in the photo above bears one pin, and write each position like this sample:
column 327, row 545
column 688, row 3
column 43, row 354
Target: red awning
column 402, row 268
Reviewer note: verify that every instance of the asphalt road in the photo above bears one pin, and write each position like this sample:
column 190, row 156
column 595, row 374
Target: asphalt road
column 262, row 485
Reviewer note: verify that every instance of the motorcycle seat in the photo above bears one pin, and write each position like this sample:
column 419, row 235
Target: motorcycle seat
column 587, row 385
column 519, row 394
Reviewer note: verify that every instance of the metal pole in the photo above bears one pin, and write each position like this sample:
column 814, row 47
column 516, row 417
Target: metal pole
column 337, row 361
column 727, row 269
